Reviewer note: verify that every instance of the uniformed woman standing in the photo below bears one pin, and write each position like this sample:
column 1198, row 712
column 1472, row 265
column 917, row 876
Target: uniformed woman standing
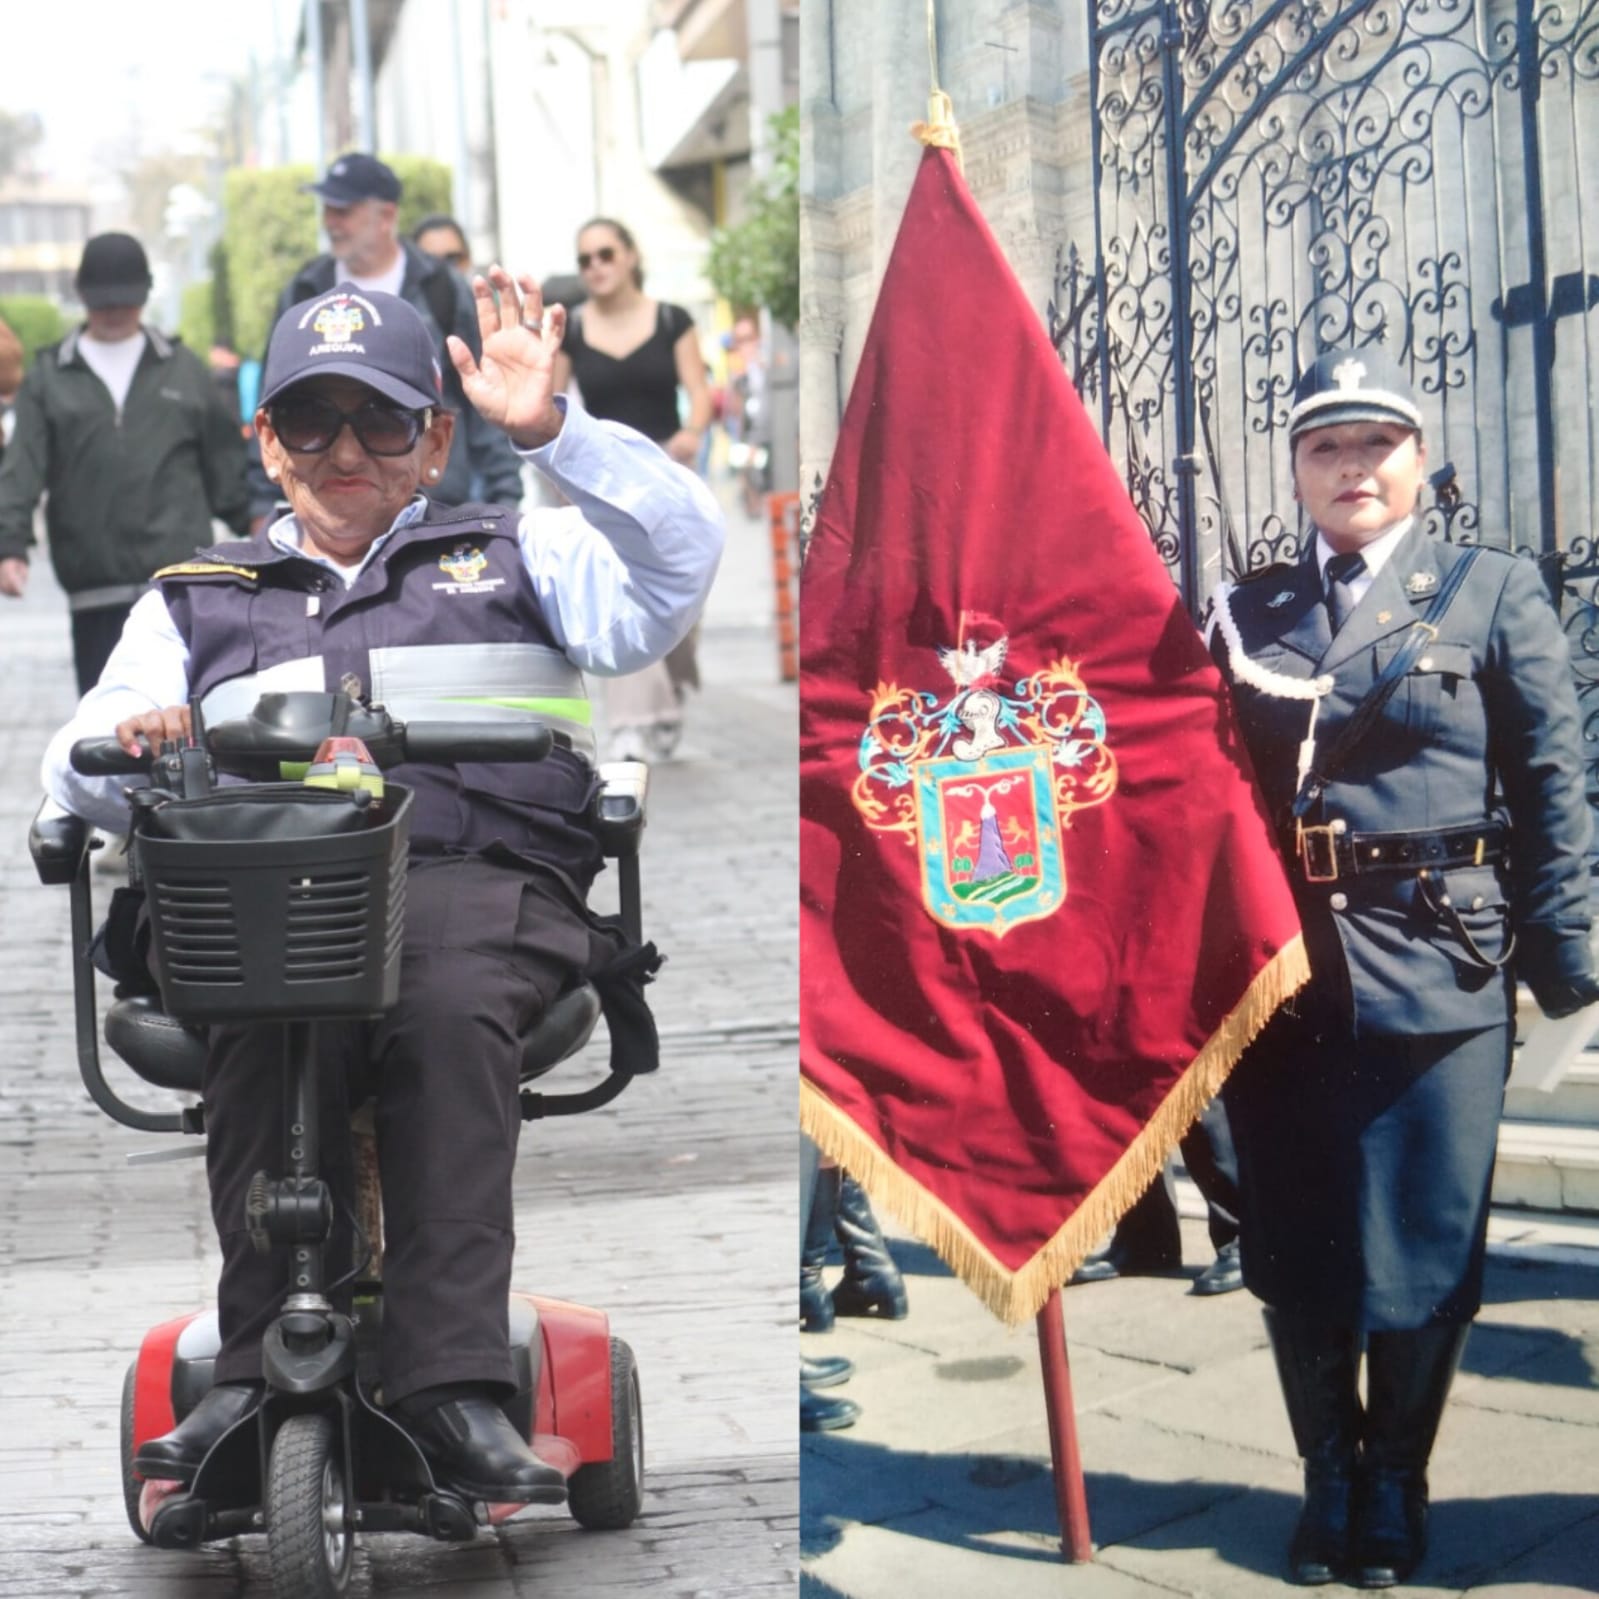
column 1409, row 710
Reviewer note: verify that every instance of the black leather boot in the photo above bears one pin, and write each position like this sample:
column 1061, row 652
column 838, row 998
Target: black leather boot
column 825, row 1371
column 473, row 1448
column 821, row 1414
column 176, row 1456
column 871, row 1284
column 1408, row 1376
column 1319, row 1368
column 816, row 1306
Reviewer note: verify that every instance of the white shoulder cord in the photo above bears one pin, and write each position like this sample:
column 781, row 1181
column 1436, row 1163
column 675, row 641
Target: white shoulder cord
column 1278, row 684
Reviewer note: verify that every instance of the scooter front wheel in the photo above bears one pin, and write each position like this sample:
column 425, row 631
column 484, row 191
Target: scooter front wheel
column 310, row 1546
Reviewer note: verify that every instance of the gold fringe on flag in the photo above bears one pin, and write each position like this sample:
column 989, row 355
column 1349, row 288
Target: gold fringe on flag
column 1015, row 1296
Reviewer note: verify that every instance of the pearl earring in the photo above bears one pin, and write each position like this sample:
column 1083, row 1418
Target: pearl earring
column 272, row 474
column 433, row 472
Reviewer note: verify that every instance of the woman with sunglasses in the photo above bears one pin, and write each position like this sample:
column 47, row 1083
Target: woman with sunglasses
column 629, row 356
column 438, row 612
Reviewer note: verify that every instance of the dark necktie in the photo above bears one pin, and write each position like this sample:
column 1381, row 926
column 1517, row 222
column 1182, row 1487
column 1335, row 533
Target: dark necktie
column 1340, row 572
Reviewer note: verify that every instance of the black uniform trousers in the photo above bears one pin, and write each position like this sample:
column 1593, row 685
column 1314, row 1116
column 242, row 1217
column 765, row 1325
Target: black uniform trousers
column 1149, row 1231
column 96, row 631
column 1365, row 1167
column 486, row 949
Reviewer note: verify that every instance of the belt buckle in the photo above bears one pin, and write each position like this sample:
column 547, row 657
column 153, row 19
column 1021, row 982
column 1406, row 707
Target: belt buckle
column 1310, row 856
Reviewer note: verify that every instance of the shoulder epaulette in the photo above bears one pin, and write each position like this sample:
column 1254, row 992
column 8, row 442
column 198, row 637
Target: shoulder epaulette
column 206, row 569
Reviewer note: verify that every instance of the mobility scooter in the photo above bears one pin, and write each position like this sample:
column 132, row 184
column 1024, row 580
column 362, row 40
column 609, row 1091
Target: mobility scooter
column 282, row 902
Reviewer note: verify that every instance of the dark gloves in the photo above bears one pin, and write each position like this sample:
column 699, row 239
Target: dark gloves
column 1556, row 965
column 1567, row 996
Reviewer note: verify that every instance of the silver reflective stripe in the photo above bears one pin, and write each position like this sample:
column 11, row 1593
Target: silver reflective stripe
column 236, row 698
column 485, row 683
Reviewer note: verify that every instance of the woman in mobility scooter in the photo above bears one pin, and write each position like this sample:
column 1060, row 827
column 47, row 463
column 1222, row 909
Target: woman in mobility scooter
column 466, row 614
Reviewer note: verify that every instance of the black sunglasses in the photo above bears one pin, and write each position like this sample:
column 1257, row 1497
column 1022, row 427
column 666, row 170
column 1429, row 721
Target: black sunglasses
column 605, row 255
column 308, row 426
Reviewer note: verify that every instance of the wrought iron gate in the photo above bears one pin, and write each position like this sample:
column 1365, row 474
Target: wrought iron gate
column 1277, row 177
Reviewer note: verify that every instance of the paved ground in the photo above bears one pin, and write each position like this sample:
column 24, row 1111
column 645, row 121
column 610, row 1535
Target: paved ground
column 943, row 1487
column 673, row 1209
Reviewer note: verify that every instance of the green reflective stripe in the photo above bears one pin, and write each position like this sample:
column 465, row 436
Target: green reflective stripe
column 568, row 710
column 293, row 771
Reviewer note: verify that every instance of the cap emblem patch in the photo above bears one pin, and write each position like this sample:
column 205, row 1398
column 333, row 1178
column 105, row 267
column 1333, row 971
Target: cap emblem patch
column 1349, row 374
column 338, row 319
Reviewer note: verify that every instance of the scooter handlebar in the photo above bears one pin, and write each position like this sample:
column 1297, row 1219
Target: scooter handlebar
column 105, row 757
column 448, row 743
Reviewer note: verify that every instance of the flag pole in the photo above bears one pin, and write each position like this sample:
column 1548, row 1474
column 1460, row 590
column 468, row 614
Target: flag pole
column 1071, row 1501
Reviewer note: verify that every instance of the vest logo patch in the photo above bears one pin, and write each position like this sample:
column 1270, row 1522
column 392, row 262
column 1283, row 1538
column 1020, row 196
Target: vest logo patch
column 465, row 565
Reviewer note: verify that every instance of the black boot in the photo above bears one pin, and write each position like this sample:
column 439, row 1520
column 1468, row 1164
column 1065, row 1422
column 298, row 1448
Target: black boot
column 819, row 1413
column 1318, row 1368
column 176, row 1456
column 1408, row 1375
column 825, row 1371
column 871, row 1284
column 816, row 1307
column 472, row 1447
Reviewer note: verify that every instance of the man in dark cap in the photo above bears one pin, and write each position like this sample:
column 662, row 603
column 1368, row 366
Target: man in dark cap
column 124, row 429
column 360, row 206
column 365, row 586
column 1409, row 710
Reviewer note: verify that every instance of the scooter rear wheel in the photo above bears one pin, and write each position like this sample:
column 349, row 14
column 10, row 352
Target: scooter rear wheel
column 310, row 1545
column 132, row 1483
column 609, row 1494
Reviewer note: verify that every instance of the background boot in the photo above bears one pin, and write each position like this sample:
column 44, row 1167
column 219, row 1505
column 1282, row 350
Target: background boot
column 1408, row 1375
column 816, row 1307
column 871, row 1284
column 1318, row 1368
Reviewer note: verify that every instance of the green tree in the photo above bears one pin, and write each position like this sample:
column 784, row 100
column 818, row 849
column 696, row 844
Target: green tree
column 34, row 320
column 754, row 263
column 18, row 136
column 196, row 324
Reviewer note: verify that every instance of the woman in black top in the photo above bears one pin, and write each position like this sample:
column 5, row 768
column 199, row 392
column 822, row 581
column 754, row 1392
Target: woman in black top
column 628, row 355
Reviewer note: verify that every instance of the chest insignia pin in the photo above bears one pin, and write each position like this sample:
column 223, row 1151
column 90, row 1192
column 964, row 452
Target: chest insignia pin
column 1384, row 617
column 1278, row 601
column 1420, row 583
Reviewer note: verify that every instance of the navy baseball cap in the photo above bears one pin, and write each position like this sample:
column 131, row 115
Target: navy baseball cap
column 113, row 271
column 355, row 177
column 1353, row 386
column 377, row 339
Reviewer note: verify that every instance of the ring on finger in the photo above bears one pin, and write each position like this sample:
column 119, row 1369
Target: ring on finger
column 534, row 324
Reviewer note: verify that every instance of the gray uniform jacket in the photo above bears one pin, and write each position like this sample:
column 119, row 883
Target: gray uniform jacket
column 1484, row 726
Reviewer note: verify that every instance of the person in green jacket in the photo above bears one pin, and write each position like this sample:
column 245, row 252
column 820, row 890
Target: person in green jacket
column 124, row 429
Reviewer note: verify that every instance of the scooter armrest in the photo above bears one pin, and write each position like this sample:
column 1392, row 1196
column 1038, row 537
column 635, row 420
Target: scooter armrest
column 58, row 841
column 619, row 807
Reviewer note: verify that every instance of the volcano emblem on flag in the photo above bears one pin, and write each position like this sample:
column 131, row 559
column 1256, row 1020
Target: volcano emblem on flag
column 984, row 785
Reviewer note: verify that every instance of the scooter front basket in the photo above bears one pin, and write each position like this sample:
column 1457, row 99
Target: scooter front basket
column 275, row 902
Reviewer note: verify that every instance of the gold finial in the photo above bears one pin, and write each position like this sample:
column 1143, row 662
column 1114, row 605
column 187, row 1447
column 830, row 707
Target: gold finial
column 939, row 129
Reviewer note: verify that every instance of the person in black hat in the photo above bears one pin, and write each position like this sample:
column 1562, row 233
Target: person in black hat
column 1408, row 708
column 366, row 586
column 360, row 208
column 123, row 429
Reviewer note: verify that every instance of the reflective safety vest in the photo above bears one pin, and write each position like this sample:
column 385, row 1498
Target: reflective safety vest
column 442, row 624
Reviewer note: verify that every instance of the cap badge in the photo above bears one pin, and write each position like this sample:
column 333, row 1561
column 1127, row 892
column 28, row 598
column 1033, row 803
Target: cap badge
column 1278, row 601
column 1419, row 583
column 339, row 323
column 1349, row 374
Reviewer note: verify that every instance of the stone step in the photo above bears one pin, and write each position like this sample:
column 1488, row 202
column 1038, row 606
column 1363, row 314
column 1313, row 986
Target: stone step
column 1547, row 1165
column 1574, row 1099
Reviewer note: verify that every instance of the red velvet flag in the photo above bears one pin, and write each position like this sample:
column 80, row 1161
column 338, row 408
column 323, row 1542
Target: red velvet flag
column 1041, row 911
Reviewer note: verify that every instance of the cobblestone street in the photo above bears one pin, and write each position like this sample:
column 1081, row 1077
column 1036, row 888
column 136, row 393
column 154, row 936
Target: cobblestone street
column 672, row 1209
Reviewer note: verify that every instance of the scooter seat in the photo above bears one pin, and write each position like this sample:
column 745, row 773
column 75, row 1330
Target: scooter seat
column 561, row 1031
column 162, row 1051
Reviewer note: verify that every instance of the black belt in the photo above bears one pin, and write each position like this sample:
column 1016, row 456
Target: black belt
column 1327, row 852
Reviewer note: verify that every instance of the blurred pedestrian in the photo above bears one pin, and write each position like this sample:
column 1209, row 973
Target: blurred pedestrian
column 440, row 236
column 360, row 204
column 123, row 429
column 630, row 355
column 11, row 369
